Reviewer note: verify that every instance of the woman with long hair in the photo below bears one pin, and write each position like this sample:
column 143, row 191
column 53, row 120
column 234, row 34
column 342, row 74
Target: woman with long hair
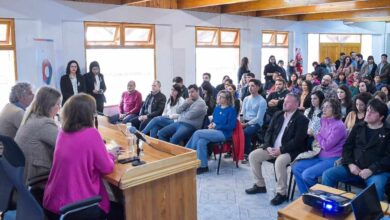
column 244, row 68
column 169, row 114
column 345, row 97
column 369, row 68
column 80, row 161
column 270, row 68
column 38, row 132
column 208, row 97
column 95, row 85
column 314, row 112
column 220, row 129
column 305, row 99
column 72, row 82
column 346, row 67
column 359, row 110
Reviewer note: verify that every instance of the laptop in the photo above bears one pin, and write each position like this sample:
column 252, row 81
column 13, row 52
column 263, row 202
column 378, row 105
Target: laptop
column 366, row 205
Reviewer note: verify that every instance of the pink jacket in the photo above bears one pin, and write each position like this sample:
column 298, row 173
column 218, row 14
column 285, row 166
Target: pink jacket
column 80, row 162
column 130, row 103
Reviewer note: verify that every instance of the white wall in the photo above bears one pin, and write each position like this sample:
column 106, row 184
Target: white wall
column 62, row 21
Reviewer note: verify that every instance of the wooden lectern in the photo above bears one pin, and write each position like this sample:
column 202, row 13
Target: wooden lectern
column 163, row 188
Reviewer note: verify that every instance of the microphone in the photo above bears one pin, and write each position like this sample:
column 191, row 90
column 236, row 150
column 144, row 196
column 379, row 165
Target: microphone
column 137, row 133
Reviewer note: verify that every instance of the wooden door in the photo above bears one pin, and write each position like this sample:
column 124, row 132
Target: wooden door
column 331, row 50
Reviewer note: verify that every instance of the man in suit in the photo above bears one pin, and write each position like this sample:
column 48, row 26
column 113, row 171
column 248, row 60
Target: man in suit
column 284, row 140
column 383, row 70
column 153, row 106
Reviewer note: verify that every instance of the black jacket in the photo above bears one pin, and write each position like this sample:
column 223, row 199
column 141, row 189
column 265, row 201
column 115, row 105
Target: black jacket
column 373, row 154
column 89, row 79
column 270, row 68
column 158, row 105
column 279, row 96
column 294, row 137
column 67, row 89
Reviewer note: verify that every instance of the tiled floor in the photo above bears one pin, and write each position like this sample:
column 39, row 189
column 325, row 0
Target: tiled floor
column 223, row 197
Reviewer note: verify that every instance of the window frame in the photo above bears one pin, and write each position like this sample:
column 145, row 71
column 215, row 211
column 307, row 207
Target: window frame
column 218, row 31
column 10, row 41
column 274, row 43
column 122, row 45
column 122, row 41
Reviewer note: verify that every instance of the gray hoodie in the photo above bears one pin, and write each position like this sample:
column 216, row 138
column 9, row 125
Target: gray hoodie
column 192, row 114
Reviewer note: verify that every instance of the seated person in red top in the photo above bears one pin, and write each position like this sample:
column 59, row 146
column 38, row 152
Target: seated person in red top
column 129, row 106
column 80, row 161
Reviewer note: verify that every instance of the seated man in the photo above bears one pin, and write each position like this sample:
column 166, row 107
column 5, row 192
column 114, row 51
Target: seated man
column 253, row 110
column 284, row 140
column 192, row 113
column 275, row 99
column 129, row 106
column 366, row 154
column 244, row 91
column 153, row 106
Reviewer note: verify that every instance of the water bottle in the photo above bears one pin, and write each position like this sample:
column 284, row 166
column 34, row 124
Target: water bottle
column 131, row 139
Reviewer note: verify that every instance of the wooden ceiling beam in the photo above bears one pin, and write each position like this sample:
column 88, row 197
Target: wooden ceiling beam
column 331, row 7
column 274, row 4
column 373, row 15
column 190, row 4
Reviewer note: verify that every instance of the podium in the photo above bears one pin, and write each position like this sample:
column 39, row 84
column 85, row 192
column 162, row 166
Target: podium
column 163, row 188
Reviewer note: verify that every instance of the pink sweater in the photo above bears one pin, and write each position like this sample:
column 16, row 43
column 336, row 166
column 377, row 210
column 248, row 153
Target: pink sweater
column 130, row 103
column 80, row 162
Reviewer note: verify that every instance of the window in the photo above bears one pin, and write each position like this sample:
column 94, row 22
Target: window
column 7, row 59
column 125, row 52
column 274, row 43
column 218, row 53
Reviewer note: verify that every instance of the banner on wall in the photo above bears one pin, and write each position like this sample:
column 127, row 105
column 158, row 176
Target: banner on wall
column 44, row 50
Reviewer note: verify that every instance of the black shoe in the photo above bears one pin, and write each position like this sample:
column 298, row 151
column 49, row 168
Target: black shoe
column 228, row 155
column 201, row 170
column 279, row 199
column 256, row 189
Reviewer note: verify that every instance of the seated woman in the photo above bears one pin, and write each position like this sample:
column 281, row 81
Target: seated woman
column 237, row 101
column 169, row 114
column 359, row 110
column 221, row 129
column 314, row 114
column 207, row 92
column 80, row 160
column 331, row 139
column 38, row 132
column 345, row 97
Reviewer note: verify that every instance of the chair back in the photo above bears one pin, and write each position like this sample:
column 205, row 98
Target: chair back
column 6, row 188
column 12, row 163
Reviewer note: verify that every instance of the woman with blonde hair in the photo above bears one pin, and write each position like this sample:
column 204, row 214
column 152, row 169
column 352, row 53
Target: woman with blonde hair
column 38, row 132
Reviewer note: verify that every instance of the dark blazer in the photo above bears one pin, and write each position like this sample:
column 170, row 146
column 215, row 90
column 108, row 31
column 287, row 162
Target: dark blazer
column 67, row 89
column 365, row 152
column 158, row 105
column 89, row 79
column 294, row 137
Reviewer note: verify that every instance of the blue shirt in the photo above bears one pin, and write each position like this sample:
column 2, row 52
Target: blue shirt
column 253, row 109
column 225, row 120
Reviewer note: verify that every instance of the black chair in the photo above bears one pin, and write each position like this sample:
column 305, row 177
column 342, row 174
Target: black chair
column 220, row 145
column 291, row 182
column 11, row 172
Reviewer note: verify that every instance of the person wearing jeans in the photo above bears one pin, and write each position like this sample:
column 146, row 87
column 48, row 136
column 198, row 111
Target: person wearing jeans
column 192, row 113
column 253, row 110
column 366, row 153
column 169, row 114
column 221, row 129
column 330, row 138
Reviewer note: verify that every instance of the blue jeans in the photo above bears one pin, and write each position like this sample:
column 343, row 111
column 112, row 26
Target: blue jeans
column 341, row 173
column 156, row 124
column 176, row 132
column 199, row 141
column 249, row 131
column 115, row 118
column 307, row 171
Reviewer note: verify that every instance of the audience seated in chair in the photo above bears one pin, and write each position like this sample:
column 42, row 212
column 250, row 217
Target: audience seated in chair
column 192, row 113
column 253, row 110
column 275, row 100
column 152, row 107
column 329, row 142
column 220, row 129
column 38, row 132
column 284, row 140
column 80, row 159
column 129, row 106
column 169, row 114
column 366, row 154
